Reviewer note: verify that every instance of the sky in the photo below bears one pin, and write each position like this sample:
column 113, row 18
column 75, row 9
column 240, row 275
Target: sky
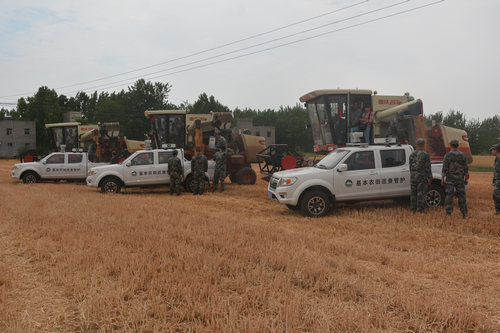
column 260, row 54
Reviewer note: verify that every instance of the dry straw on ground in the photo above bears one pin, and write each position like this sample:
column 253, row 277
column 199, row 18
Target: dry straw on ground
column 72, row 259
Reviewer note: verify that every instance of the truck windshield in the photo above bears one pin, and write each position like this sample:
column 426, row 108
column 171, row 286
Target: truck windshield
column 332, row 159
column 327, row 117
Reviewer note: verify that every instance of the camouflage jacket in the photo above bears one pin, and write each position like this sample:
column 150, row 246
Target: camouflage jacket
column 496, row 174
column 174, row 165
column 199, row 163
column 455, row 166
column 220, row 158
column 396, row 127
column 420, row 166
column 221, row 143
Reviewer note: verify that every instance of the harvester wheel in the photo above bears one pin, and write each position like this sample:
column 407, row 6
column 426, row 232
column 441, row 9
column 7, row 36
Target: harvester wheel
column 246, row 176
column 434, row 196
column 30, row 178
column 315, row 204
column 110, row 185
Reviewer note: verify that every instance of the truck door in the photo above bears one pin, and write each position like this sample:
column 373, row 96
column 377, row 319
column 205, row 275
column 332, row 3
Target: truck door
column 53, row 167
column 142, row 170
column 75, row 166
column 162, row 176
column 361, row 180
column 394, row 173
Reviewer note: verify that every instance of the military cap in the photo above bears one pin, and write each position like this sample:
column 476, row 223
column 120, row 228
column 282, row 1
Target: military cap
column 496, row 147
column 174, row 151
column 216, row 150
column 197, row 148
column 217, row 132
column 420, row 142
column 454, row 142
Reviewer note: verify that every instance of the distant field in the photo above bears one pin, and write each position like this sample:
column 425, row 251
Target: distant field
column 74, row 260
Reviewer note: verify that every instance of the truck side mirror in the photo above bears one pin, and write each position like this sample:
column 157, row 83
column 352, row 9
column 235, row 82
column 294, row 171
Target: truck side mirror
column 128, row 163
column 342, row 167
column 44, row 162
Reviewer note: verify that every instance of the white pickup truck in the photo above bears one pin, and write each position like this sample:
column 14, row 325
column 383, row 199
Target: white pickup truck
column 67, row 166
column 352, row 174
column 143, row 169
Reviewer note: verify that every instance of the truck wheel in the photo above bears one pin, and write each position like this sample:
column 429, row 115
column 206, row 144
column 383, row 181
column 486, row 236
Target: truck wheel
column 434, row 196
column 30, row 178
column 292, row 207
column 232, row 178
column 189, row 183
column 246, row 176
column 110, row 185
column 315, row 204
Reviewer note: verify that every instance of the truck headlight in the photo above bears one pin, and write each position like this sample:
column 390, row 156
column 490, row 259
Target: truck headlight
column 93, row 172
column 287, row 181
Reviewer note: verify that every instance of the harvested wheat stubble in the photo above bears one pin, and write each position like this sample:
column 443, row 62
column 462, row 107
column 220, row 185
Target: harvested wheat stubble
column 73, row 259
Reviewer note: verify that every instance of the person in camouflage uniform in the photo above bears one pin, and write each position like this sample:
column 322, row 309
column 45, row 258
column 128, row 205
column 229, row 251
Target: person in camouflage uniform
column 93, row 157
column 396, row 127
column 199, row 165
column 220, row 168
column 455, row 171
column 495, row 150
column 220, row 141
column 421, row 175
column 175, row 172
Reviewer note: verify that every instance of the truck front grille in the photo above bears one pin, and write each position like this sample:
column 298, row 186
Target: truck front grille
column 273, row 183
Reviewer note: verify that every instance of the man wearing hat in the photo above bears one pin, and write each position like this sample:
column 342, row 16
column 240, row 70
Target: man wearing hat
column 455, row 172
column 396, row 127
column 495, row 151
column 220, row 158
column 220, row 141
column 199, row 165
column 175, row 172
column 421, row 175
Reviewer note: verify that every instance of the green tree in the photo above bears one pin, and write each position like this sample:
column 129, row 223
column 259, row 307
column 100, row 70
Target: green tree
column 205, row 104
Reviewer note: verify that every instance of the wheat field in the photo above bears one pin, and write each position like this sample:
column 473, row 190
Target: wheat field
column 75, row 260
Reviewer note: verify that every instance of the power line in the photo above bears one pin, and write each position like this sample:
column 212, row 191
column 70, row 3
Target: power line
column 207, row 50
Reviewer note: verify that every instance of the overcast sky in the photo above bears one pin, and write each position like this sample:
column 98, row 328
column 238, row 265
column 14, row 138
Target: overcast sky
column 259, row 54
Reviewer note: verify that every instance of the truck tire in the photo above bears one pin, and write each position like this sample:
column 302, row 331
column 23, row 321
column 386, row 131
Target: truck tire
column 30, row 177
column 246, row 176
column 111, row 185
column 315, row 204
column 434, row 196
column 189, row 183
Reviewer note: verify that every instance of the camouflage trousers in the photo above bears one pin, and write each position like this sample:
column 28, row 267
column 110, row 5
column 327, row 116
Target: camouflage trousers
column 418, row 192
column 496, row 196
column 175, row 183
column 199, row 182
column 458, row 189
column 220, row 174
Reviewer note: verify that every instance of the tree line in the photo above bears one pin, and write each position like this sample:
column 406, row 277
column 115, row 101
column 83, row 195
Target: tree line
column 127, row 108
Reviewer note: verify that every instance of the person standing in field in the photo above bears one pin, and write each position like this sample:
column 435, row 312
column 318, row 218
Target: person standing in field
column 421, row 175
column 220, row 141
column 199, row 165
column 175, row 172
column 396, row 127
column 495, row 151
column 455, row 172
column 220, row 168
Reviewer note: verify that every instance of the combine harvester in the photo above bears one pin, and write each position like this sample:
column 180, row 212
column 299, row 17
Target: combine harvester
column 330, row 111
column 180, row 129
